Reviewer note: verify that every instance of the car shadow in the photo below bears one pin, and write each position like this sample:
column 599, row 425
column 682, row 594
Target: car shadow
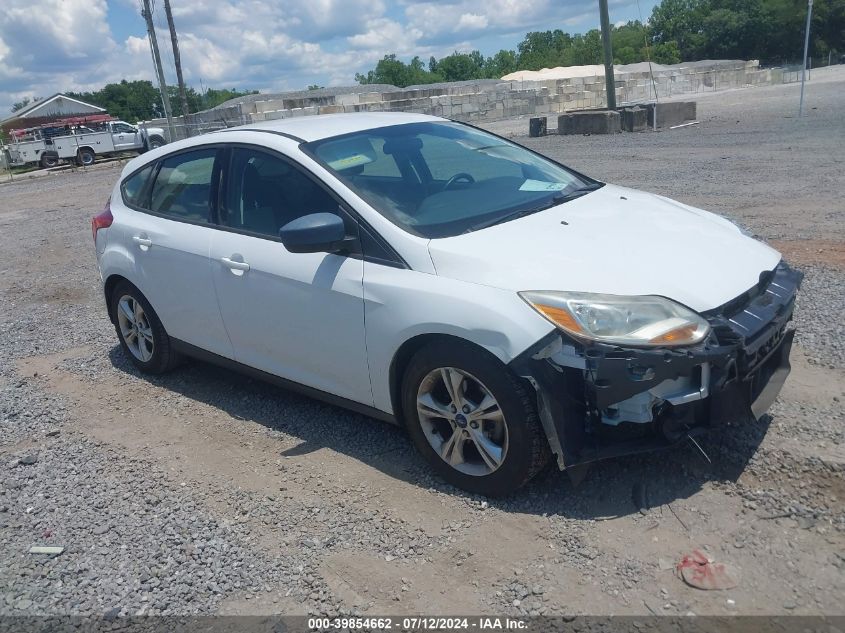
column 603, row 490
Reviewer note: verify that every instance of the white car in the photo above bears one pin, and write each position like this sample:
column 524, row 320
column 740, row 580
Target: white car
column 502, row 307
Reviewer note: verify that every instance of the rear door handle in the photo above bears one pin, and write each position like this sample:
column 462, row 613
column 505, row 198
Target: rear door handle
column 233, row 265
column 143, row 242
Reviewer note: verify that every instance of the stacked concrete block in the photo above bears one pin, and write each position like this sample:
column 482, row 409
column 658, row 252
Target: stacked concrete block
column 537, row 126
column 484, row 101
column 634, row 119
column 671, row 113
column 597, row 122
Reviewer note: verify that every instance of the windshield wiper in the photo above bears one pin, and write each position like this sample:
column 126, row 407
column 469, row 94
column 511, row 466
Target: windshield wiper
column 555, row 200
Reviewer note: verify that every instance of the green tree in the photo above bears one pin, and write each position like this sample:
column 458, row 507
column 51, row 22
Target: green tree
column 128, row 100
column 629, row 42
column 461, row 66
column 20, row 105
column 680, row 21
column 667, row 53
column 214, row 97
column 391, row 70
column 140, row 100
column 502, row 63
column 585, row 49
column 544, row 49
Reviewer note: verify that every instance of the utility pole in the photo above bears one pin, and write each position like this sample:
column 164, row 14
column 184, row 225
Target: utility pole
column 178, row 62
column 165, row 98
column 806, row 48
column 609, row 80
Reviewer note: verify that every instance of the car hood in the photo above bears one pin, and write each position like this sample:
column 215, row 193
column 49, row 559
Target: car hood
column 614, row 241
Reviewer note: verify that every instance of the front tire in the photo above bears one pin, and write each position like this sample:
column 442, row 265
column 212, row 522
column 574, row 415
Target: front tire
column 472, row 420
column 155, row 142
column 142, row 336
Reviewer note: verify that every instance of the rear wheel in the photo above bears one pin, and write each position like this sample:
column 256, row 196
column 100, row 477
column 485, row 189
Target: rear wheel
column 142, row 336
column 472, row 420
column 49, row 160
column 85, row 157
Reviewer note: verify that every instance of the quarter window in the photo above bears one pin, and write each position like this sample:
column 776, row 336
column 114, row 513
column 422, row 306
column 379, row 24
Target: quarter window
column 265, row 192
column 134, row 187
column 182, row 188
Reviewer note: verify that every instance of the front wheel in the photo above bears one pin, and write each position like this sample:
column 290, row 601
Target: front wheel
column 142, row 336
column 472, row 420
column 155, row 142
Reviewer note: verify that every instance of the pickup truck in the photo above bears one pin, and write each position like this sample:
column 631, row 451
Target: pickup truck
column 46, row 145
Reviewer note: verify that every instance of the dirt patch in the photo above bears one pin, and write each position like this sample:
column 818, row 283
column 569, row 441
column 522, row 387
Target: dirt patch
column 828, row 253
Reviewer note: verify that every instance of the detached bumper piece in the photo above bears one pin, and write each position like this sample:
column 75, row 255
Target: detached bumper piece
column 597, row 400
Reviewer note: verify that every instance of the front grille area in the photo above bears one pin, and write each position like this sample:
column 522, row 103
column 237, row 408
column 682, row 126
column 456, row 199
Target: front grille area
column 756, row 320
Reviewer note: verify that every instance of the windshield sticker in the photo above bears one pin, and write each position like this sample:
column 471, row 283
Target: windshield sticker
column 349, row 161
column 539, row 185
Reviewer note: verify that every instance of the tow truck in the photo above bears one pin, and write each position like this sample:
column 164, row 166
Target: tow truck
column 80, row 140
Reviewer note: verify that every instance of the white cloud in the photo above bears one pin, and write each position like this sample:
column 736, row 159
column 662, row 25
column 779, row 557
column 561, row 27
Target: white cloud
column 471, row 22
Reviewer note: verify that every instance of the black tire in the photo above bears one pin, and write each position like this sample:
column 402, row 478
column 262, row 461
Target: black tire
column 163, row 358
column 49, row 160
column 155, row 142
column 85, row 157
column 527, row 447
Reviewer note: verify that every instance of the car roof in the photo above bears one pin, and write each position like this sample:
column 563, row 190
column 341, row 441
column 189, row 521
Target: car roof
column 316, row 127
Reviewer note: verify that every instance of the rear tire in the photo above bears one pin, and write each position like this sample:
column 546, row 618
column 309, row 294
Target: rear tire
column 48, row 161
column 85, row 157
column 142, row 336
column 498, row 444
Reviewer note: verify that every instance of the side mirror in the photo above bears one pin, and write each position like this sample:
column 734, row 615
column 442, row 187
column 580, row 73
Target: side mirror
column 316, row 233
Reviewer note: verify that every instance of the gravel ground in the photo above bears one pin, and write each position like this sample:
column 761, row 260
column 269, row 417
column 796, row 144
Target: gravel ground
column 205, row 492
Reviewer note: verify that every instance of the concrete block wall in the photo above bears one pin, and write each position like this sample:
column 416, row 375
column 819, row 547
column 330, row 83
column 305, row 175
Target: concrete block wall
column 490, row 101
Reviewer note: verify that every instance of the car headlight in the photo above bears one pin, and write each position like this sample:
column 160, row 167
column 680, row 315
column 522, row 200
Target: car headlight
column 648, row 321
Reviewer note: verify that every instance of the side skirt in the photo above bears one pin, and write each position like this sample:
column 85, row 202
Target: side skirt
column 209, row 357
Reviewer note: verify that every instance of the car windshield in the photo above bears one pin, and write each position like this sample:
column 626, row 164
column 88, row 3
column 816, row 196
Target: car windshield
column 439, row 179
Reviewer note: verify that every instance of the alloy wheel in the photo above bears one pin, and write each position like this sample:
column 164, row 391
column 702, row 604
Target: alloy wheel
column 462, row 421
column 135, row 328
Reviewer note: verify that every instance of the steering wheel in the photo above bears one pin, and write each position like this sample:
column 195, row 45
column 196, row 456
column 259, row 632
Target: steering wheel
column 458, row 177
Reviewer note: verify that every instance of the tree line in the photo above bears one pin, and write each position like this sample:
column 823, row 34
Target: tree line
column 140, row 100
column 678, row 30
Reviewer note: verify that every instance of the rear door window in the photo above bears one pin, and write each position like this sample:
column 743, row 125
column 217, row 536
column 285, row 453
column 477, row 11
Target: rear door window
column 183, row 186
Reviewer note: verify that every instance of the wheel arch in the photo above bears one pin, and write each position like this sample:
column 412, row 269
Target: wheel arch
column 405, row 353
column 85, row 148
column 108, row 288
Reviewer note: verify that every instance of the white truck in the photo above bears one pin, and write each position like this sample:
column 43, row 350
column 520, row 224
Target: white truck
column 81, row 140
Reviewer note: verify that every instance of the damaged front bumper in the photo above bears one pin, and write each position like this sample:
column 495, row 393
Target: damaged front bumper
column 597, row 400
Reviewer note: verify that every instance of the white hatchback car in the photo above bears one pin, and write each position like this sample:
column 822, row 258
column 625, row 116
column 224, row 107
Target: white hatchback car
column 502, row 307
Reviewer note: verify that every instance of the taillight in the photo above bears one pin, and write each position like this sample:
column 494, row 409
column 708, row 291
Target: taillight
column 102, row 221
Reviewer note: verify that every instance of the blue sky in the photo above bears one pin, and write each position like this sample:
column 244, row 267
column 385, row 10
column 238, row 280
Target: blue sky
column 49, row 46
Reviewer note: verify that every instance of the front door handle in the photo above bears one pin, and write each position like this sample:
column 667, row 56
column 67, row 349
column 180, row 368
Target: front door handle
column 143, row 242
column 233, row 265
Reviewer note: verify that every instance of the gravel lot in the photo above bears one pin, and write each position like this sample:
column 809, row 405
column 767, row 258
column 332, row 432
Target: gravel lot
column 205, row 492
